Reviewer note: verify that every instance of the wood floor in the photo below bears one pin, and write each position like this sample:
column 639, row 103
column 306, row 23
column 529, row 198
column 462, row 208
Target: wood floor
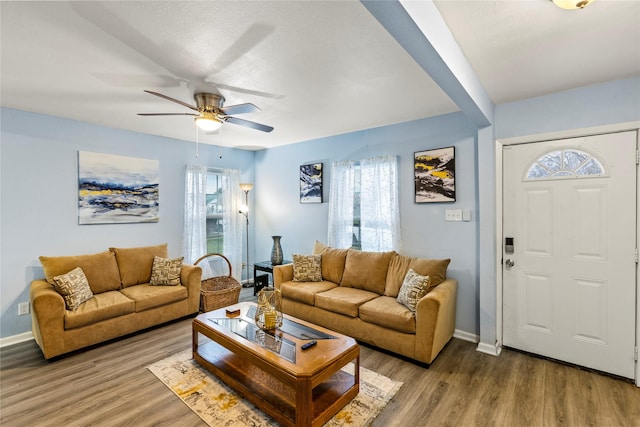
column 109, row 385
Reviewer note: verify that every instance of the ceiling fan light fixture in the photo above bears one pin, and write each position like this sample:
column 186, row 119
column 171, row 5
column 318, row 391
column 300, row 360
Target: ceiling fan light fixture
column 572, row 4
column 208, row 124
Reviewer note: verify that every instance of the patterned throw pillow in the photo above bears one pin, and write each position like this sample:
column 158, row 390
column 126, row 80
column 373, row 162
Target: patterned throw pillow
column 74, row 288
column 166, row 272
column 413, row 288
column 307, row 268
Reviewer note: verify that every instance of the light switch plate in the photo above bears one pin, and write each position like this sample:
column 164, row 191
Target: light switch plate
column 453, row 215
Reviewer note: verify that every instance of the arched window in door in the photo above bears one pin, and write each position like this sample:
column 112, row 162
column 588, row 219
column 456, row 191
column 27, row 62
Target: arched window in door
column 565, row 163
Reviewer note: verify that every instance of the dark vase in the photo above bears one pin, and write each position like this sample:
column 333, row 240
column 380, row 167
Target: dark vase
column 276, row 251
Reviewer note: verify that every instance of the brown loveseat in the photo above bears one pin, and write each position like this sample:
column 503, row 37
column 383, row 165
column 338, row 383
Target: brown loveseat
column 357, row 296
column 123, row 300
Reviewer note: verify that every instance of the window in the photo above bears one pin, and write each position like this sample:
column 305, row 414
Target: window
column 566, row 163
column 214, row 213
column 211, row 220
column 363, row 205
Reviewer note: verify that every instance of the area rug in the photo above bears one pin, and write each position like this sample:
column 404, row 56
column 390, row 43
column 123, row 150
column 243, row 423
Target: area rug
column 218, row 405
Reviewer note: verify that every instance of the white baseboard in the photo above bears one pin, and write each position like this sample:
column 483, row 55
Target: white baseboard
column 491, row 349
column 466, row 336
column 16, row 339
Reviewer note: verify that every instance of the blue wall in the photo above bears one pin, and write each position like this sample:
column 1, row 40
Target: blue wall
column 424, row 230
column 603, row 104
column 39, row 190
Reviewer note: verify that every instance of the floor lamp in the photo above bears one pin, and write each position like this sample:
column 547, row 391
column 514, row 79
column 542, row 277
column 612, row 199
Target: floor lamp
column 244, row 210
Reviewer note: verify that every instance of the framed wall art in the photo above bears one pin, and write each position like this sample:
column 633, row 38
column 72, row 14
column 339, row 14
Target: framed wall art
column 311, row 183
column 117, row 189
column 434, row 174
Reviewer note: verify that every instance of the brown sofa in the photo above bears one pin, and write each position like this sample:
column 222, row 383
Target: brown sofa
column 357, row 296
column 123, row 301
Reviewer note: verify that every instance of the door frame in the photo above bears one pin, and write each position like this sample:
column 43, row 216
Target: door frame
column 565, row 134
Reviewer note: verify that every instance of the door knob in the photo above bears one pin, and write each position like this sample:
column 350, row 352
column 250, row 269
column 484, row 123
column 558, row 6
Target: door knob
column 510, row 263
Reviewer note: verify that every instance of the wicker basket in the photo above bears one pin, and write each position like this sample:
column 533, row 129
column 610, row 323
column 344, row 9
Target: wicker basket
column 220, row 291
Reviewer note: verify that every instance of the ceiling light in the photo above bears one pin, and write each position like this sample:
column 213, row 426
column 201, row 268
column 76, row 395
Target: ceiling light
column 208, row 124
column 572, row 4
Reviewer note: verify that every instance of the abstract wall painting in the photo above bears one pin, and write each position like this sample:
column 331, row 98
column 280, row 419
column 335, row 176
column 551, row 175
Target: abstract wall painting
column 311, row 183
column 116, row 189
column 434, row 175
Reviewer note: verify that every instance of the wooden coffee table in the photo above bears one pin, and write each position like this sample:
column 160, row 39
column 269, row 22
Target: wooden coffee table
column 295, row 387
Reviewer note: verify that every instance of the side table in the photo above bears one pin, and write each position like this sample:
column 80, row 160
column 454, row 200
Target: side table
column 267, row 267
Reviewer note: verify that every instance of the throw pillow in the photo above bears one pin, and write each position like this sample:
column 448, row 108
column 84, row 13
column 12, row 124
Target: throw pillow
column 74, row 288
column 307, row 268
column 436, row 269
column 166, row 272
column 413, row 288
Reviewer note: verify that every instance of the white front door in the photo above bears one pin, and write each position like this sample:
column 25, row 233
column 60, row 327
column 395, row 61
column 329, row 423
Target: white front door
column 569, row 250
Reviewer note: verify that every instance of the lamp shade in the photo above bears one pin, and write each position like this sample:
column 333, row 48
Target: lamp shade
column 246, row 187
column 572, row 4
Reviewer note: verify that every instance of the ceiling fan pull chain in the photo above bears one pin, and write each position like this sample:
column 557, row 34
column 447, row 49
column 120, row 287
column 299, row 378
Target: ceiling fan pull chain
column 197, row 142
column 220, row 146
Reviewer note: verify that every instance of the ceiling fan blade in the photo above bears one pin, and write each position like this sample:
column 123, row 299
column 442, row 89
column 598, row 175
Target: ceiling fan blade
column 172, row 99
column 167, row 114
column 249, row 124
column 240, row 109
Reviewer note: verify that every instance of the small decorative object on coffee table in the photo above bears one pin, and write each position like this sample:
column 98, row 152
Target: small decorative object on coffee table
column 269, row 311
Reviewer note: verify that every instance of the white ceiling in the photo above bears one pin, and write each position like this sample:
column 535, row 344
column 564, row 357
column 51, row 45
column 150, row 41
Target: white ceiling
column 315, row 68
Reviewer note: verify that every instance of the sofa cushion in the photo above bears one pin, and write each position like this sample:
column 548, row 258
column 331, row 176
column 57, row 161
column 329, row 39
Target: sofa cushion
column 166, row 272
column 388, row 313
column 343, row 300
column 436, row 269
column 306, row 268
column 103, row 306
column 100, row 269
column 366, row 270
column 304, row 291
column 73, row 287
column 414, row 287
column 333, row 260
column 149, row 296
column 135, row 263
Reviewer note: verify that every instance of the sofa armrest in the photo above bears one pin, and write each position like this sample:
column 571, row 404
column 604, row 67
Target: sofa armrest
column 47, row 317
column 282, row 273
column 191, row 278
column 436, row 319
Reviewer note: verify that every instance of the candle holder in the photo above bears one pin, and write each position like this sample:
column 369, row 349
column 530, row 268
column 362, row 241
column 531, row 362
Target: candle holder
column 269, row 310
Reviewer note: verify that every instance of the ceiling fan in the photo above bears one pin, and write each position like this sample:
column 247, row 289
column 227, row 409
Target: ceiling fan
column 211, row 114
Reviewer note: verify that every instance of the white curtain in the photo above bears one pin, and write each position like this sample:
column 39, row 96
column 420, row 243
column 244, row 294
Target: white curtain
column 195, row 214
column 379, row 204
column 232, row 220
column 341, row 193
